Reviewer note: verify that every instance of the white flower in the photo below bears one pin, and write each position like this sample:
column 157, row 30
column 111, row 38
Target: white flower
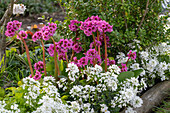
column 122, row 60
column 144, row 55
column 104, row 108
column 75, row 106
column 14, row 107
column 98, row 68
column 130, row 110
column 135, row 66
column 149, row 67
column 114, row 68
column 136, row 102
column 18, row 9
column 121, row 55
column 153, row 62
column 163, row 65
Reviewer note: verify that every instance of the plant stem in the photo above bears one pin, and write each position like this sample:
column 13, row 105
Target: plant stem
column 98, row 40
column 94, row 42
column 66, row 58
column 44, row 57
column 27, row 52
column 105, row 51
column 55, row 60
column 73, row 53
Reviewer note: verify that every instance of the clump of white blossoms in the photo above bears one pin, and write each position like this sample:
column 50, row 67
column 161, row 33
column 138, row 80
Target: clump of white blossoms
column 19, row 9
column 73, row 71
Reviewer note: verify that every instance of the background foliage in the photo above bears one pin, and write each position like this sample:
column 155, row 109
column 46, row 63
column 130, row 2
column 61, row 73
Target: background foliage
column 125, row 16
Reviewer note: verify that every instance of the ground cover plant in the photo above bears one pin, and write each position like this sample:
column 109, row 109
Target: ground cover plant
column 65, row 75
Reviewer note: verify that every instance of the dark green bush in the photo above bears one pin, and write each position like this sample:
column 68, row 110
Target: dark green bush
column 131, row 19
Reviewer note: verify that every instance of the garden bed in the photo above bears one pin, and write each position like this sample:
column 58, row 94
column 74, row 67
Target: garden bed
column 153, row 97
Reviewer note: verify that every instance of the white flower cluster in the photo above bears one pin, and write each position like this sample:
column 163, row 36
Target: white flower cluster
column 18, row 9
column 13, row 108
column 128, row 94
column 150, row 63
column 73, row 71
column 83, row 93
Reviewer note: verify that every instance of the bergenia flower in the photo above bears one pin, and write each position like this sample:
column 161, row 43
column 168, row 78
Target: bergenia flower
column 37, row 75
column 12, row 26
column 132, row 55
column 83, row 61
column 23, row 34
column 124, row 68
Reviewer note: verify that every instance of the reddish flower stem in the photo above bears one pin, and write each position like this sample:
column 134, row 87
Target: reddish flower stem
column 45, row 72
column 28, row 55
column 73, row 53
column 94, row 42
column 105, row 52
column 55, row 60
column 99, row 45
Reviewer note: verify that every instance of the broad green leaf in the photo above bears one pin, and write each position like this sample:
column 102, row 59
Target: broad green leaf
column 137, row 72
column 125, row 75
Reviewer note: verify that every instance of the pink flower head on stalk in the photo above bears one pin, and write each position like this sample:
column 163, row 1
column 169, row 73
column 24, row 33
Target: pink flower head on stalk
column 51, row 50
column 92, row 55
column 77, row 48
column 23, row 34
column 132, row 55
column 83, row 61
column 12, row 26
column 98, row 43
column 111, row 62
column 124, row 68
column 45, row 33
column 37, row 75
column 75, row 61
column 93, row 23
column 73, row 26
column 38, row 66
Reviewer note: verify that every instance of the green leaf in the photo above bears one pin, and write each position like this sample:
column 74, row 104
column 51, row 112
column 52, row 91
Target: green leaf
column 61, row 65
column 137, row 72
column 125, row 75
column 2, row 92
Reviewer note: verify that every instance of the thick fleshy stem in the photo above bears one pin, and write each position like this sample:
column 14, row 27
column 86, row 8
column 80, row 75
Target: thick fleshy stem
column 105, row 44
column 66, row 58
column 94, row 42
column 45, row 72
column 55, row 60
column 98, row 45
column 73, row 53
column 27, row 52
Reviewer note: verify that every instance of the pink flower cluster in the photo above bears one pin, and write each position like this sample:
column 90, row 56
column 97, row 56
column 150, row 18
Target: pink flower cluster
column 45, row 33
column 98, row 43
column 132, row 55
column 91, row 55
column 63, row 46
column 37, row 75
column 94, row 23
column 73, row 26
column 38, row 66
column 124, row 67
column 23, row 34
column 12, row 26
column 110, row 62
